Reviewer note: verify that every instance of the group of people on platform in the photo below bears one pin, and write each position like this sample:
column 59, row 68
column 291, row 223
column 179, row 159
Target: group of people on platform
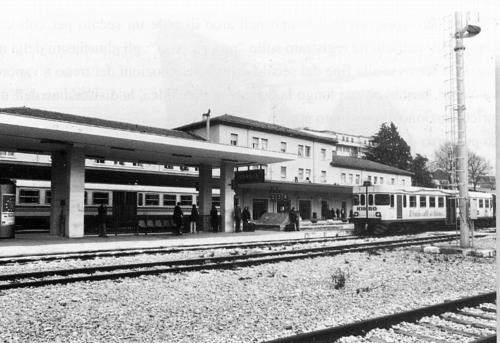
column 239, row 216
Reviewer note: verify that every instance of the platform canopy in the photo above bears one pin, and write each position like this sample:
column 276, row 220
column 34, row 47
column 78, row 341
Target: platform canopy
column 28, row 130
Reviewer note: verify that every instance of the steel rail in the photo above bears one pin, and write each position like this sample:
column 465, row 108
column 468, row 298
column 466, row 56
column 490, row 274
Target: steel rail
column 361, row 328
column 91, row 254
column 225, row 262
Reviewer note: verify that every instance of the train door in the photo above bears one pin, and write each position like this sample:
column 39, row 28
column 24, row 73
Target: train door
column 124, row 209
column 305, row 209
column 324, row 209
column 259, row 207
column 451, row 211
column 399, row 206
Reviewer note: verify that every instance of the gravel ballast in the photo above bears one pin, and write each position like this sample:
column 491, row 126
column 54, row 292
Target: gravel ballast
column 245, row 305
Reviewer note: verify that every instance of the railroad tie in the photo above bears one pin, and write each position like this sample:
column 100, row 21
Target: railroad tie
column 450, row 330
column 469, row 323
column 420, row 336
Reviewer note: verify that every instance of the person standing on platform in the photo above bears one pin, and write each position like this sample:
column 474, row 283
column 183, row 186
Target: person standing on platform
column 292, row 217
column 178, row 218
column 337, row 213
column 246, row 217
column 237, row 218
column 101, row 219
column 214, row 219
column 193, row 220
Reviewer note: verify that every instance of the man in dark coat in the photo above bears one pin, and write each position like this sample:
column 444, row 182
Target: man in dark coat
column 193, row 219
column 237, row 218
column 246, row 217
column 292, row 217
column 337, row 213
column 101, row 219
column 214, row 219
column 178, row 218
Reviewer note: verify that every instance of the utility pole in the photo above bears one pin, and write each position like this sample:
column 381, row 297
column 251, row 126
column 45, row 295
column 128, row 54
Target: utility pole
column 462, row 32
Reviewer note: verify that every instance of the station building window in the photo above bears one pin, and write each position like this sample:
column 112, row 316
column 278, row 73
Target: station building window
column 381, row 180
column 264, row 143
column 283, row 147
column 283, row 172
column 423, row 201
column 432, row 201
column 186, row 200
column 308, row 151
column 413, row 201
column 370, row 178
column 300, row 150
column 100, row 198
column 234, row 139
column 323, row 176
column 216, row 201
column 255, row 142
column 403, row 182
column 342, row 178
column 308, row 174
column 301, row 174
column 29, row 196
column 350, row 178
column 323, row 154
column 375, row 179
column 393, row 181
column 440, row 202
column 48, row 196
column 152, row 199
column 357, row 179
column 169, row 199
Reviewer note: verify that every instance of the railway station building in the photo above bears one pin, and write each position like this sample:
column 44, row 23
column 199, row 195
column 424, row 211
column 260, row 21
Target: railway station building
column 312, row 171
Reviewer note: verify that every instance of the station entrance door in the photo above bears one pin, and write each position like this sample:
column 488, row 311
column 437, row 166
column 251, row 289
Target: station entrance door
column 124, row 210
column 259, row 207
column 305, row 209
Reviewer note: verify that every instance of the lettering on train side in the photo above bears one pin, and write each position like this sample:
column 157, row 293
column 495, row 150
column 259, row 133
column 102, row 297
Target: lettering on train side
column 363, row 208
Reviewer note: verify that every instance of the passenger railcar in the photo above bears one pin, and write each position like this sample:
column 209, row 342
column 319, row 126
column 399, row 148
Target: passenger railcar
column 33, row 199
column 382, row 209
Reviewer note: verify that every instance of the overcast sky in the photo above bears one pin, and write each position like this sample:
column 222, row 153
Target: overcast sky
column 343, row 66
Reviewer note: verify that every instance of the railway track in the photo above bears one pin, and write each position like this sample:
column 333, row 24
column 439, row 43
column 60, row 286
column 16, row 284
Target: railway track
column 92, row 254
column 106, row 272
column 471, row 319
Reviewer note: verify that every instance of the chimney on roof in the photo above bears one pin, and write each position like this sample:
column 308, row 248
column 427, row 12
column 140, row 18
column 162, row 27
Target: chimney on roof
column 207, row 116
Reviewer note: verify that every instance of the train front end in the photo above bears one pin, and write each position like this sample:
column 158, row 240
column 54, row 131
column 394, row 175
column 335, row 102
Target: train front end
column 371, row 207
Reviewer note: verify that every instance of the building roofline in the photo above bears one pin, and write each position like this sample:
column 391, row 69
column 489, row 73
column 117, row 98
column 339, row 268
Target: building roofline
column 244, row 123
column 367, row 165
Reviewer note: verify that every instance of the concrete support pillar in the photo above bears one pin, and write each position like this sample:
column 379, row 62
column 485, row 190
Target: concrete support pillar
column 68, row 188
column 226, row 197
column 205, row 196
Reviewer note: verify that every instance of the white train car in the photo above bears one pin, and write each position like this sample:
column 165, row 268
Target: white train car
column 33, row 200
column 381, row 209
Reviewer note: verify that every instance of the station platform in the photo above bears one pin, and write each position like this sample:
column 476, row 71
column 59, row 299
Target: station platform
column 44, row 243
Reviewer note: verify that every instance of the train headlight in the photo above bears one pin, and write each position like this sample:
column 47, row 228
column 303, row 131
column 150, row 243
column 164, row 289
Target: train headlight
column 356, row 214
column 378, row 214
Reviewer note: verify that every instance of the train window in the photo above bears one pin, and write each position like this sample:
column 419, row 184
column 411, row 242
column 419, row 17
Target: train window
column 480, row 203
column 169, row 199
column 413, row 201
column 440, row 202
column 355, row 200
column 152, row 199
column 404, row 201
column 48, row 197
column 392, row 200
column 186, row 200
column 423, row 201
column 100, row 198
column 362, row 202
column 370, row 199
column 140, row 199
column 432, row 201
column 29, row 196
column 85, row 198
column 216, row 201
column 382, row 199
